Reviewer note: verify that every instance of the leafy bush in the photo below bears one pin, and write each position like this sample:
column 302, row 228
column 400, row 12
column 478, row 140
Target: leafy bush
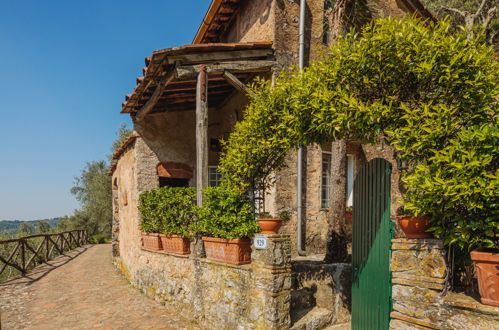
column 429, row 93
column 98, row 239
column 167, row 210
column 225, row 214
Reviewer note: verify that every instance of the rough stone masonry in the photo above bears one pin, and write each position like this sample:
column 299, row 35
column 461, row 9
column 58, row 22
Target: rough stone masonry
column 255, row 296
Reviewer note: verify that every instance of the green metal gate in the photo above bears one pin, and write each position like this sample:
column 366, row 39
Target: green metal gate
column 371, row 249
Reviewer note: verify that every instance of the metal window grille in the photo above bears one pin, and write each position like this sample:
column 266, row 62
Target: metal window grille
column 259, row 200
column 325, row 180
column 214, row 177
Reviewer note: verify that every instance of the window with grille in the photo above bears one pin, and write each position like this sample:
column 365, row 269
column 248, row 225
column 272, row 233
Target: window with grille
column 325, row 180
column 214, row 177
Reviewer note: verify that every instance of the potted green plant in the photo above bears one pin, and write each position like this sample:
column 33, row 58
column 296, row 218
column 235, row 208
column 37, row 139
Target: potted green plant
column 487, row 266
column 149, row 222
column 413, row 226
column 348, row 214
column 176, row 214
column 269, row 224
column 226, row 223
column 172, row 211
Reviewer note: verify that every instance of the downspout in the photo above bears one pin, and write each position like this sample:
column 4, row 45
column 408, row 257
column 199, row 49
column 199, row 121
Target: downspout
column 299, row 174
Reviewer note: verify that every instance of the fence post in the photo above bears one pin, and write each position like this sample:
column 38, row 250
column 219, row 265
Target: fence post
column 47, row 250
column 22, row 252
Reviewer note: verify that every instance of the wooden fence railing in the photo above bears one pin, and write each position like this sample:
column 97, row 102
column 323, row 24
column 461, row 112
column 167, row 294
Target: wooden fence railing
column 18, row 255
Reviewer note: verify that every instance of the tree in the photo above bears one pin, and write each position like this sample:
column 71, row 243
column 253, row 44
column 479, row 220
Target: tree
column 123, row 134
column 468, row 13
column 25, row 229
column 42, row 226
column 429, row 93
column 93, row 190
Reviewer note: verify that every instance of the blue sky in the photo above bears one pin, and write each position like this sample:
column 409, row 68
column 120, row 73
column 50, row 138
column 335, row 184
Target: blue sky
column 65, row 67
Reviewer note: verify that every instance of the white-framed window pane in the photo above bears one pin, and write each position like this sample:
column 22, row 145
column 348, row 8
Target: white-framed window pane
column 350, row 179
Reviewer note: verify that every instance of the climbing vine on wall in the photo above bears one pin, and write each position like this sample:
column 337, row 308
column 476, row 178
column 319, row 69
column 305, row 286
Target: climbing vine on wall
column 429, row 93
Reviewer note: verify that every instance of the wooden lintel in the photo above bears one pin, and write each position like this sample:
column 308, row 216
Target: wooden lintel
column 172, row 89
column 146, row 108
column 191, row 71
column 219, row 56
column 238, row 84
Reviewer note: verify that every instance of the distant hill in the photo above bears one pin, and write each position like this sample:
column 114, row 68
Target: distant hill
column 9, row 227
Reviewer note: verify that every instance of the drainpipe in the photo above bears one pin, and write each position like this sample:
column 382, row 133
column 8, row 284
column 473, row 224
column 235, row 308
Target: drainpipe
column 299, row 176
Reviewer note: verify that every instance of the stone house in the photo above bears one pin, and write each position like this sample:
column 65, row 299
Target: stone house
column 176, row 145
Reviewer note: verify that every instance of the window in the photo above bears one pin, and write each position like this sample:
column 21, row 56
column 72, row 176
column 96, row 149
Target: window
column 214, row 177
column 350, row 178
column 325, row 180
column 328, row 6
column 173, row 182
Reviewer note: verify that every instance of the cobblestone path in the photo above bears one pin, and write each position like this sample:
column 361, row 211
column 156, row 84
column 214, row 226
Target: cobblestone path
column 81, row 290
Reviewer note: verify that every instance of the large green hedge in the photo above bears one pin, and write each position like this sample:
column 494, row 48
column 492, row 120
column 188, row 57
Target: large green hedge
column 429, row 93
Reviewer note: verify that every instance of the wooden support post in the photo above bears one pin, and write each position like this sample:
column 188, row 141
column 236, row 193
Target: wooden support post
column 201, row 133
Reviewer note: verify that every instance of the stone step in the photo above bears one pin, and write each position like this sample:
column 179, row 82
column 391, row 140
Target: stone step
column 343, row 326
column 303, row 299
column 313, row 319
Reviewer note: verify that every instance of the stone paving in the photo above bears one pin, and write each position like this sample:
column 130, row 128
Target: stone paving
column 82, row 290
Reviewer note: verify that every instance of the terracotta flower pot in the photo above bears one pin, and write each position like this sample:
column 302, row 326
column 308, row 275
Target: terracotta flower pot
column 348, row 218
column 152, row 241
column 269, row 226
column 414, row 227
column 487, row 269
column 230, row 251
column 176, row 244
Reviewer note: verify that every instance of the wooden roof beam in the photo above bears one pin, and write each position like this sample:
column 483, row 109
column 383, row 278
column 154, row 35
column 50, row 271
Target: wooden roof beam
column 238, row 84
column 219, row 56
column 190, row 71
column 147, row 108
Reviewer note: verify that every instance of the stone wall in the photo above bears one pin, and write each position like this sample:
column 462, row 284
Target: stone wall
column 255, row 296
column 320, row 293
column 419, row 273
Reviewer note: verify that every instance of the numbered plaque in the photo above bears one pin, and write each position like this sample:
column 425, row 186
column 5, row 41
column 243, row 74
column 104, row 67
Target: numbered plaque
column 260, row 242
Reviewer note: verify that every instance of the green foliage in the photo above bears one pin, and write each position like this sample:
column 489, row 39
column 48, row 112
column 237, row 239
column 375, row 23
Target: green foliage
column 123, row 134
column 25, row 229
column 478, row 13
column 226, row 213
column 93, row 190
column 167, row 210
column 428, row 92
column 43, row 227
column 98, row 239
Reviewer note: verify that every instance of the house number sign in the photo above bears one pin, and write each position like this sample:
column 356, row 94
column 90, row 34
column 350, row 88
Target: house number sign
column 261, row 243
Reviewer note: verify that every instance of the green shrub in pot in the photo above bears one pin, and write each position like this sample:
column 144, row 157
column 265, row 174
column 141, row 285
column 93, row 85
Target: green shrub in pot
column 168, row 210
column 226, row 213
